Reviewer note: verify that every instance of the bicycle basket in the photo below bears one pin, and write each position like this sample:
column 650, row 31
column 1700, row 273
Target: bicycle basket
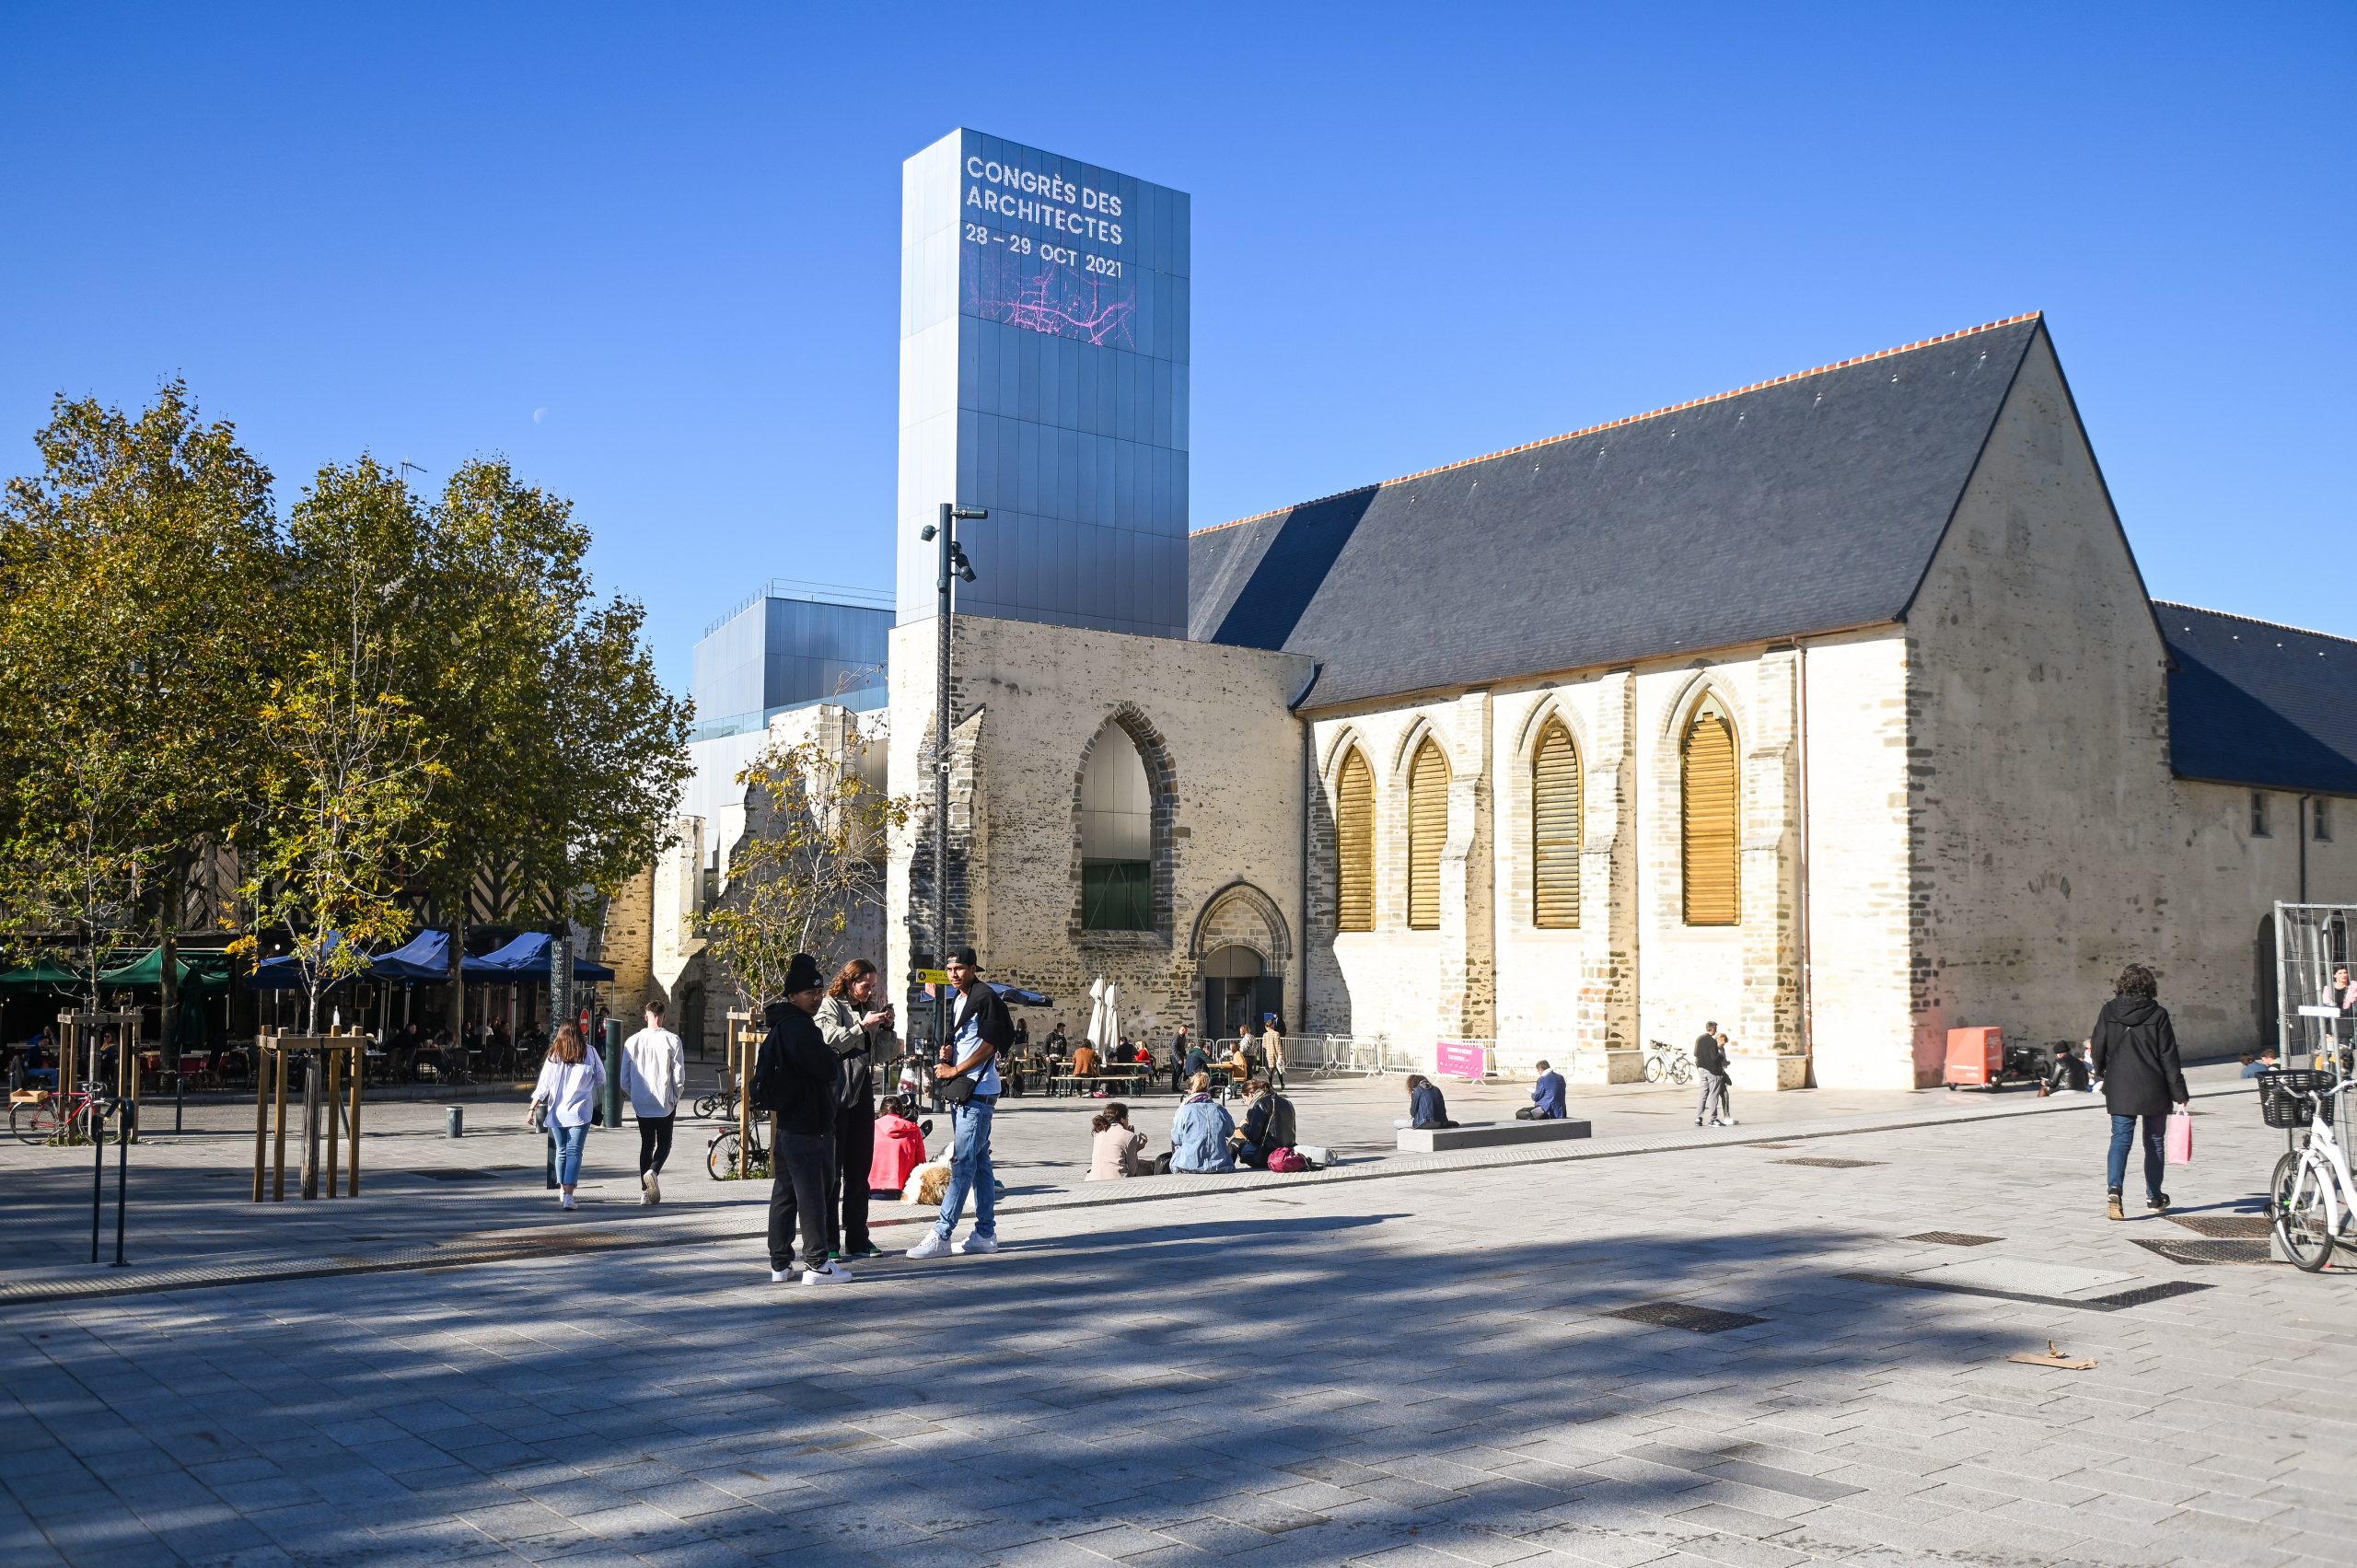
column 2284, row 1093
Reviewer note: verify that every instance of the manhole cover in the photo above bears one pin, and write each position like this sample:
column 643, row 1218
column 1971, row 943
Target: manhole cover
column 1952, row 1238
column 2226, row 1227
column 2233, row 1250
column 1685, row 1315
column 1823, row 1163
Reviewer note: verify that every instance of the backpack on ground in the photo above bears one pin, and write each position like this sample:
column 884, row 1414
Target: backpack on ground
column 1285, row 1162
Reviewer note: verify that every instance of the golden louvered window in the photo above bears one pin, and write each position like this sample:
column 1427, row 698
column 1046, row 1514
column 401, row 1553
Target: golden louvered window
column 1427, row 828
column 1555, row 829
column 1711, row 809
column 1355, row 844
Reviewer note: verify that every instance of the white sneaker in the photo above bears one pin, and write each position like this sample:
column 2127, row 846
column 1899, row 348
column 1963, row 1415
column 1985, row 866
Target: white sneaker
column 780, row 1276
column 653, row 1193
column 973, row 1243
column 934, row 1245
column 832, row 1274
column 564, row 1201
column 1726, row 1120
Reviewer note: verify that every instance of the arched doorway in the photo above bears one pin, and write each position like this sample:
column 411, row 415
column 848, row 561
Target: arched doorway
column 1236, row 988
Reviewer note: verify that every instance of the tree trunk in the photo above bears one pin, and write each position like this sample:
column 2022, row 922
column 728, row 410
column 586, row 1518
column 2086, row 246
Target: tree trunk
column 168, row 940
column 458, row 976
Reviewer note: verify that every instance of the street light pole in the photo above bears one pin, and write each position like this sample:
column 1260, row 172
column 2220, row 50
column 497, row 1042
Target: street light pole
column 954, row 567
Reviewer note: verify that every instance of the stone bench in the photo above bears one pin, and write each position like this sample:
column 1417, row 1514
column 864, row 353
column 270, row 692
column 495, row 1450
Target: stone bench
column 1489, row 1135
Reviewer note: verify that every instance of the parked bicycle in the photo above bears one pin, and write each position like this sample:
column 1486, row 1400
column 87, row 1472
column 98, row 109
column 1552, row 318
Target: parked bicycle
column 48, row 1116
column 2311, row 1195
column 1668, row 1061
column 722, row 1103
column 720, row 1155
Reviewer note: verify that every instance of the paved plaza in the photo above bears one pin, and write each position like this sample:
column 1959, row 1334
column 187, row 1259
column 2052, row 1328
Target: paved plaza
column 1780, row 1344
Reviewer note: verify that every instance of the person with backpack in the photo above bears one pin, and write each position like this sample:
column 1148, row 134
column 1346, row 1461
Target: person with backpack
column 793, row 1084
column 1710, row 1067
column 1267, row 1125
column 967, row 1077
column 2134, row 1049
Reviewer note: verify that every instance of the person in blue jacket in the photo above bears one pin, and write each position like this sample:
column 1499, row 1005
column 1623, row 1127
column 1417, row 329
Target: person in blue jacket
column 1546, row 1098
column 1426, row 1108
column 1199, row 1132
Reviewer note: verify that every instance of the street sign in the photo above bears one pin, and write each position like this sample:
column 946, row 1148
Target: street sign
column 933, row 977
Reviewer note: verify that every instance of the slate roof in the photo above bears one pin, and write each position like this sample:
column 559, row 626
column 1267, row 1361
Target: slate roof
column 2252, row 702
column 1812, row 502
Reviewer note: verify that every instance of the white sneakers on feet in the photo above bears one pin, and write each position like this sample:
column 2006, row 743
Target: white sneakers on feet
column 972, row 1245
column 934, row 1245
column 780, row 1276
column 831, row 1275
column 1726, row 1120
column 654, row 1188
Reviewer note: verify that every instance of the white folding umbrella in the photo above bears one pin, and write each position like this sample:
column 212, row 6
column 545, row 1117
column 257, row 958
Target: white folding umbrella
column 1095, row 1032
column 1112, row 1035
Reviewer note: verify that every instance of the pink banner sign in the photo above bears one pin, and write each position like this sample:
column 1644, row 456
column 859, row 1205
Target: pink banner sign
column 1468, row 1062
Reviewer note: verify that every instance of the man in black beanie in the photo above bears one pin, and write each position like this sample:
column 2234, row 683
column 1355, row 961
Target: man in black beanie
column 793, row 1080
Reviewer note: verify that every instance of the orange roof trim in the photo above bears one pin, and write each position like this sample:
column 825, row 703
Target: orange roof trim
column 1636, row 418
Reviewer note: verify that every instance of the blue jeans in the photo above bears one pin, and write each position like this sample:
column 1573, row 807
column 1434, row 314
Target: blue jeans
column 970, row 1171
column 569, row 1141
column 2123, row 1132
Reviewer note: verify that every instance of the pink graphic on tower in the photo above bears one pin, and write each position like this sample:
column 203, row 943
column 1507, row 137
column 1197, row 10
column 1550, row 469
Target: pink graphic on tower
column 1041, row 295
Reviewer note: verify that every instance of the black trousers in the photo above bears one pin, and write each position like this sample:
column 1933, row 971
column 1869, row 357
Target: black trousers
column 854, row 1152
column 654, row 1142
column 799, row 1166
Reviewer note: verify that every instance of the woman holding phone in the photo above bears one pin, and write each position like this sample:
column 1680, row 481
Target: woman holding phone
column 567, row 1096
column 857, row 1027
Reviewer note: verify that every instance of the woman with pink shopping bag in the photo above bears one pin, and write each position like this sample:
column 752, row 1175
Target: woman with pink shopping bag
column 2135, row 1056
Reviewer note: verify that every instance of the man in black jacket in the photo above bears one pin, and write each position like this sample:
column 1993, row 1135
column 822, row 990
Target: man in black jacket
column 1710, row 1067
column 793, row 1081
column 2135, row 1051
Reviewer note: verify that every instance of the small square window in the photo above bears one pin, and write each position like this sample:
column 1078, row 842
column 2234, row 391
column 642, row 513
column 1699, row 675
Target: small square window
column 2320, row 821
column 2258, row 814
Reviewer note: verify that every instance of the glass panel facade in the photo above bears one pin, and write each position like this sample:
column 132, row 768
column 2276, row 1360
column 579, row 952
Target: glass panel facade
column 1044, row 330
column 786, row 647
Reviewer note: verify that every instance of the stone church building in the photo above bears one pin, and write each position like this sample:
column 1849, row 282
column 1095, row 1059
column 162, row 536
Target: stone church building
column 1833, row 709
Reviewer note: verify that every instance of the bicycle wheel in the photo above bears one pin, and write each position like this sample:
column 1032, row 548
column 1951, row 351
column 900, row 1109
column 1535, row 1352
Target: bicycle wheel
column 1653, row 1069
column 2296, row 1196
column 35, row 1120
column 709, row 1107
column 1681, row 1071
column 720, row 1156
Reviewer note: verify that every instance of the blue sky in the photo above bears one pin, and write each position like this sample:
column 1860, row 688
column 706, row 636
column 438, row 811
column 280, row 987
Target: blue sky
column 650, row 252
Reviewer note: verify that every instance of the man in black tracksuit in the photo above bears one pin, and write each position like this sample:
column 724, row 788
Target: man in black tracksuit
column 793, row 1080
column 1710, row 1067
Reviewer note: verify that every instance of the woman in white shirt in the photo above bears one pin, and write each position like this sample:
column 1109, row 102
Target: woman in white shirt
column 570, row 1079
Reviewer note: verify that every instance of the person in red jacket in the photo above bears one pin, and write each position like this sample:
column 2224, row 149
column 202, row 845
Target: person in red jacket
column 899, row 1148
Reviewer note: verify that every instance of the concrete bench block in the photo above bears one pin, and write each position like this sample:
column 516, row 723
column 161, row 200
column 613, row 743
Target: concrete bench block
column 1489, row 1135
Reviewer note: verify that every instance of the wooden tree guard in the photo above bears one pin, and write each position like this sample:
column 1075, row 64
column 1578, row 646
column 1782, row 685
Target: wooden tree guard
column 81, row 1036
column 744, row 1041
column 275, row 1054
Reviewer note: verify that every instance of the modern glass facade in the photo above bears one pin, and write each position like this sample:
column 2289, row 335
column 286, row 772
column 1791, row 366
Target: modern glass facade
column 787, row 646
column 1044, row 325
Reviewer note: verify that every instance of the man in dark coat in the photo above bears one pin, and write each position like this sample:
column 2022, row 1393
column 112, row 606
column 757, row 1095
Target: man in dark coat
column 2134, row 1052
column 1710, row 1067
column 793, row 1081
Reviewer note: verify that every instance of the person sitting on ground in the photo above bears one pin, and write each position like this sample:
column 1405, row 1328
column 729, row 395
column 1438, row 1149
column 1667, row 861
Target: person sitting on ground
column 900, row 1148
column 1267, row 1125
column 1199, row 1132
column 1083, row 1060
column 2265, row 1062
column 1546, row 1098
column 2069, row 1070
column 1426, row 1106
column 1115, row 1151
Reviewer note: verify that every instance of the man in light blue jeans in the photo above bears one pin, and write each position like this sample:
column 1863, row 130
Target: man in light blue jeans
column 979, row 1030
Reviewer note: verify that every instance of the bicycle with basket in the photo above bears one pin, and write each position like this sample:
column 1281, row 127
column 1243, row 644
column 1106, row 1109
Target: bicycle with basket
column 2311, row 1197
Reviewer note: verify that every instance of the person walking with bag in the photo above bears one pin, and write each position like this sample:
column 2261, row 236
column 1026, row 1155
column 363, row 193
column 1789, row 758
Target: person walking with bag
column 967, row 1077
column 794, row 1082
column 2134, row 1048
column 859, row 1031
column 566, row 1096
column 654, row 1069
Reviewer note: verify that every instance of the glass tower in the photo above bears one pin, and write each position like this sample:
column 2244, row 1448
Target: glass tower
column 1043, row 375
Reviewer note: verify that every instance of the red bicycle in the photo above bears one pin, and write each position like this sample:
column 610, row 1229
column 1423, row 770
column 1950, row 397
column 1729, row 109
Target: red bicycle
column 45, row 1116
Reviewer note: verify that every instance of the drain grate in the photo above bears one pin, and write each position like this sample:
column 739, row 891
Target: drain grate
column 1824, row 1163
column 2233, row 1250
column 1685, row 1315
column 2225, row 1227
column 1952, row 1238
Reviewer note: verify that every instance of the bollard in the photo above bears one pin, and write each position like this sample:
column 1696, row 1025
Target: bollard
column 454, row 1121
column 96, row 1122
column 123, row 1174
column 611, row 1109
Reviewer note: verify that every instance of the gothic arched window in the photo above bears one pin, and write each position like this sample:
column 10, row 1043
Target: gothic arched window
column 1355, row 844
column 1116, row 836
column 1427, row 830
column 1710, row 808
column 1555, row 829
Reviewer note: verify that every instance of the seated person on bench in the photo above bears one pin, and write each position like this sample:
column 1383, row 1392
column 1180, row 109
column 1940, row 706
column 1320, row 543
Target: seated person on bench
column 1546, row 1098
column 1084, row 1061
column 1426, row 1108
column 1267, row 1125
